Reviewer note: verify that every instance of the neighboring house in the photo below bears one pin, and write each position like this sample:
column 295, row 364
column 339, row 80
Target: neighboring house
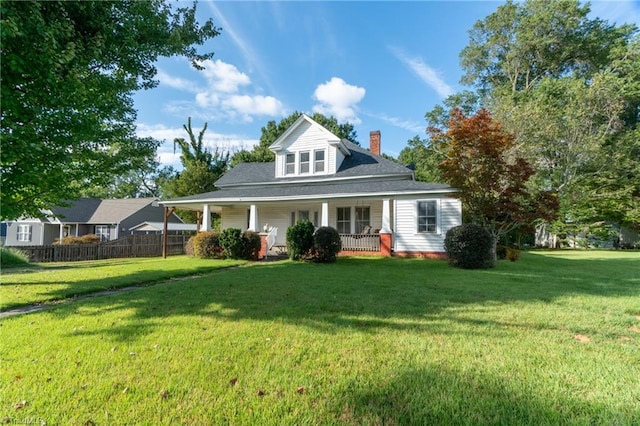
column 109, row 219
column 375, row 204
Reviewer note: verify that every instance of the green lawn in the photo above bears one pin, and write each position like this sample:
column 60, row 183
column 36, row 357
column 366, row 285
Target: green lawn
column 551, row 339
column 49, row 282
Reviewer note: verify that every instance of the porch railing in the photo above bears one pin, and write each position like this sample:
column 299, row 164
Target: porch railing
column 271, row 237
column 360, row 242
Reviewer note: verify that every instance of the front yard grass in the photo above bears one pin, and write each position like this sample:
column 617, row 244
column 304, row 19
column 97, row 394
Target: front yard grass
column 551, row 339
column 49, row 282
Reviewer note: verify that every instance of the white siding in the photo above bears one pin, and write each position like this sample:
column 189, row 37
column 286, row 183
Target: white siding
column 307, row 138
column 234, row 217
column 406, row 236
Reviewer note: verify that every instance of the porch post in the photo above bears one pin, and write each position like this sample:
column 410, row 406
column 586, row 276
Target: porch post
column 206, row 218
column 198, row 220
column 61, row 236
column 324, row 221
column 386, row 217
column 253, row 218
column 386, row 238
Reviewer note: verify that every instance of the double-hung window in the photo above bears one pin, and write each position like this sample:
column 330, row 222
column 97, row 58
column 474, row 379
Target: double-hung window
column 24, row 233
column 428, row 216
column 102, row 231
column 290, row 164
column 318, row 162
column 343, row 221
column 304, row 162
column 362, row 218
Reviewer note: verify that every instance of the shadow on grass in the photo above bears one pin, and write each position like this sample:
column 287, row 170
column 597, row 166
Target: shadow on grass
column 364, row 294
column 436, row 395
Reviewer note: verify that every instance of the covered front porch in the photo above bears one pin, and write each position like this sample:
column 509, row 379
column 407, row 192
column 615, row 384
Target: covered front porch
column 364, row 225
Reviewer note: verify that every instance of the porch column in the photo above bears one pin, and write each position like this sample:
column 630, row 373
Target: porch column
column 253, row 218
column 206, row 218
column 324, row 221
column 386, row 217
column 61, row 236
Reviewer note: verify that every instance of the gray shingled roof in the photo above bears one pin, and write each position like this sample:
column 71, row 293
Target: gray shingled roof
column 320, row 190
column 361, row 162
column 96, row 211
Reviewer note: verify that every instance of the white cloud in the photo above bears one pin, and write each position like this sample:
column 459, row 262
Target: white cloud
column 424, row 72
column 212, row 140
column 254, row 105
column 223, row 77
column 412, row 126
column 339, row 99
column 222, row 96
column 176, row 82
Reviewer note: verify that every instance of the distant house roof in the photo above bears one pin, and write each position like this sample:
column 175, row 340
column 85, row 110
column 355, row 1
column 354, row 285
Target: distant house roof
column 159, row 226
column 96, row 211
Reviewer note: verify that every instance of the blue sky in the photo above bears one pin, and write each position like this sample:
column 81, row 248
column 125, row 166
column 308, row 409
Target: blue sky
column 378, row 65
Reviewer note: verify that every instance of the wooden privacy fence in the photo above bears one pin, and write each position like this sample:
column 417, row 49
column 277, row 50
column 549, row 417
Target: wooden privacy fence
column 130, row 246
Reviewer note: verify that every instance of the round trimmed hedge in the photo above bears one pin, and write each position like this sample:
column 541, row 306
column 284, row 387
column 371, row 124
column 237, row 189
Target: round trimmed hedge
column 469, row 246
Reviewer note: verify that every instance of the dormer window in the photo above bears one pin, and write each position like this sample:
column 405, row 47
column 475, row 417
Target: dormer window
column 304, row 162
column 290, row 167
column 318, row 161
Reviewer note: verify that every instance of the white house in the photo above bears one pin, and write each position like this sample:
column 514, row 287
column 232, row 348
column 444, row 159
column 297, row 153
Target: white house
column 375, row 204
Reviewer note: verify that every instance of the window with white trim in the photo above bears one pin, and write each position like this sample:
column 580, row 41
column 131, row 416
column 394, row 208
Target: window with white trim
column 343, row 220
column 103, row 231
column 24, row 233
column 304, row 162
column 363, row 215
column 290, row 164
column 428, row 216
column 318, row 161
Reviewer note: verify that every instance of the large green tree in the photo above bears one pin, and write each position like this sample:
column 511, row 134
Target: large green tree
column 143, row 176
column 202, row 167
column 273, row 130
column 566, row 86
column 491, row 179
column 69, row 70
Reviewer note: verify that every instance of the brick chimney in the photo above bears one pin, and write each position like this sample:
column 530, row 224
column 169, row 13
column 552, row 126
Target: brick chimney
column 374, row 142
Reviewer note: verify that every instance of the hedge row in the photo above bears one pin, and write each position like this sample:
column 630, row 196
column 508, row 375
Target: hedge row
column 231, row 243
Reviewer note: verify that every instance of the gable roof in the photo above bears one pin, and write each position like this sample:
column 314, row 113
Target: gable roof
column 96, row 211
column 360, row 164
column 330, row 137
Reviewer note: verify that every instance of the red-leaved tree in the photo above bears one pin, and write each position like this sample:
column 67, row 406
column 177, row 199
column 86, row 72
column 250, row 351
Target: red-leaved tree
column 492, row 179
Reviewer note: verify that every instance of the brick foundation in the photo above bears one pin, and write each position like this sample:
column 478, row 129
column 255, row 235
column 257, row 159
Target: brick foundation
column 263, row 246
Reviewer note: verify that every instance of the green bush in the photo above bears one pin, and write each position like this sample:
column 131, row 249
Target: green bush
column 252, row 243
column 513, row 254
column 12, row 257
column 232, row 244
column 326, row 244
column 469, row 246
column 206, row 245
column 300, row 240
column 188, row 247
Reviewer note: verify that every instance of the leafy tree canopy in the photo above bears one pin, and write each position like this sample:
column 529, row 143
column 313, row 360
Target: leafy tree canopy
column 69, row 70
column 202, row 167
column 491, row 179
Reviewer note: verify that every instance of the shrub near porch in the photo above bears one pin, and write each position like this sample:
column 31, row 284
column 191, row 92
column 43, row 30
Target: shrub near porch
column 552, row 339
